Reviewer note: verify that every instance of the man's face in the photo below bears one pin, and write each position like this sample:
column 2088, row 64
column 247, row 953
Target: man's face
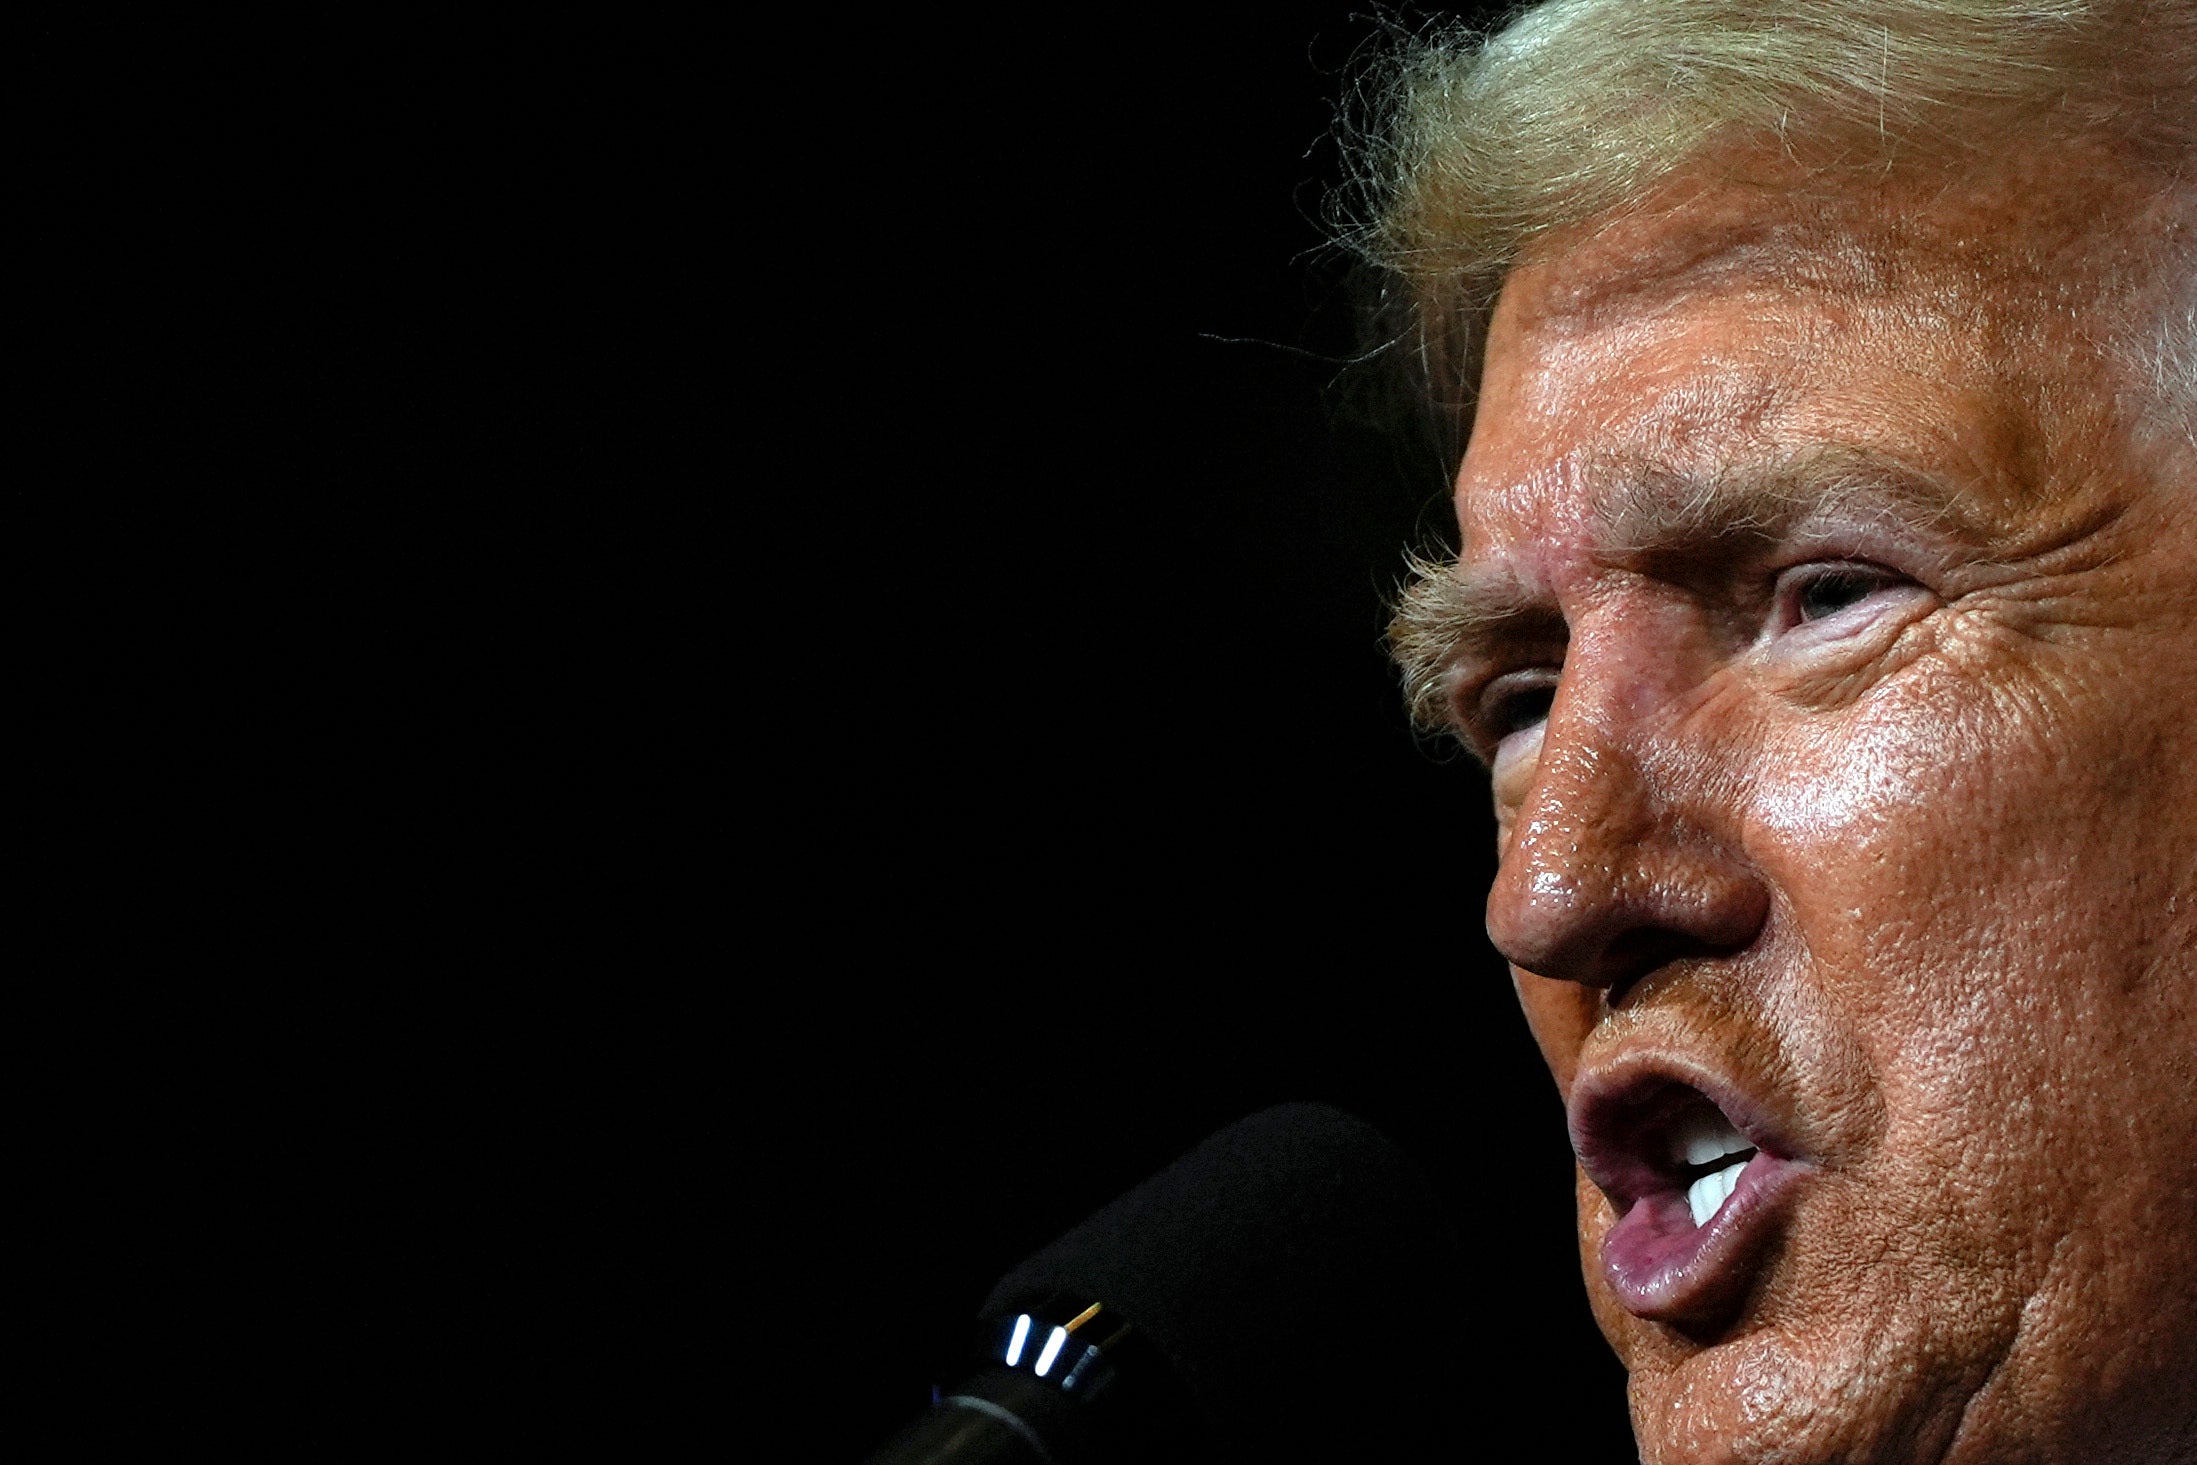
column 1849, row 878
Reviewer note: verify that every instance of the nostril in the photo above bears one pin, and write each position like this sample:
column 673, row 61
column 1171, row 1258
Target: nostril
column 1614, row 961
column 1639, row 952
column 1611, row 925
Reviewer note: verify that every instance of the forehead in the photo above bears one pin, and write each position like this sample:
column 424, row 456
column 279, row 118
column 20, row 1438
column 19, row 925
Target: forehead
column 1735, row 325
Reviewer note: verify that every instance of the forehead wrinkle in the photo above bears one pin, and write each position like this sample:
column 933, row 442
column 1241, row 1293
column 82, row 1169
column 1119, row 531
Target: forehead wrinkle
column 1726, row 247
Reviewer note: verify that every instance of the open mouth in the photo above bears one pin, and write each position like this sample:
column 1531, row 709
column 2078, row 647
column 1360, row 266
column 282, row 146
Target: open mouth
column 1697, row 1183
column 1714, row 1153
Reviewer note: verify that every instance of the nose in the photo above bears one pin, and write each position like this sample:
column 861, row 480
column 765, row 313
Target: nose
column 1624, row 852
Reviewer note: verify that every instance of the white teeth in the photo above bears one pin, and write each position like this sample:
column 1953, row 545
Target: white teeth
column 1703, row 1137
column 1705, row 1195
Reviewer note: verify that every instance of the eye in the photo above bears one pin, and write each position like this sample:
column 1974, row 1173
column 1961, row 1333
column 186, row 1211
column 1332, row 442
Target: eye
column 1516, row 701
column 1829, row 593
column 1812, row 593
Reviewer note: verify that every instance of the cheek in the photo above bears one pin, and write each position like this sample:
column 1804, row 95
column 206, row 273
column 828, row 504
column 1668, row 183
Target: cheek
column 1964, row 839
column 1902, row 880
column 1899, row 837
column 1972, row 880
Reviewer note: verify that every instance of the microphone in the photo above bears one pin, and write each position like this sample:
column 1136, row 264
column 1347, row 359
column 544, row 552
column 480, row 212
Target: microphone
column 1282, row 1292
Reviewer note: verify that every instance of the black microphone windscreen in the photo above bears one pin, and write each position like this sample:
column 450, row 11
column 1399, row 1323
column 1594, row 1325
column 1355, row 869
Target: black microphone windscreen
column 1297, row 1274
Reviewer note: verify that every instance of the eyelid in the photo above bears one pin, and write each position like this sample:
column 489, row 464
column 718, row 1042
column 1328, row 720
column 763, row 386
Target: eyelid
column 1842, row 565
column 1798, row 576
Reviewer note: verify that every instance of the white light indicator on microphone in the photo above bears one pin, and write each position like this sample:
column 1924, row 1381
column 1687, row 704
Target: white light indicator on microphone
column 1052, row 1350
column 1022, row 1336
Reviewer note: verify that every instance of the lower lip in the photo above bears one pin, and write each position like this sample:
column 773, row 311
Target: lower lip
column 1666, row 1269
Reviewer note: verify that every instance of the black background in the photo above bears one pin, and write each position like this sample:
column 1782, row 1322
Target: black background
column 1119, row 829
column 780, row 668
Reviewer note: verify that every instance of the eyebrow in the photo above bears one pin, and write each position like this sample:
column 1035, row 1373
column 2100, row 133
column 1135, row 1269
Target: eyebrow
column 1646, row 509
column 1442, row 618
column 1449, row 614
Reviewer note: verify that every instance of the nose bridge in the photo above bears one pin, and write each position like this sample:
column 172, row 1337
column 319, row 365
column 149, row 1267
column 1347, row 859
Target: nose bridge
column 1630, row 667
column 1588, row 802
column 1610, row 863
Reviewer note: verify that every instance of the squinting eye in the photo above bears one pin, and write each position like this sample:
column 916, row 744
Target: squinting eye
column 1827, row 592
column 1516, row 702
column 1526, row 708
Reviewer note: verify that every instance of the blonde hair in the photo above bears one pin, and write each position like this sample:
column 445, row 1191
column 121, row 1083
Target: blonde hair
column 1470, row 147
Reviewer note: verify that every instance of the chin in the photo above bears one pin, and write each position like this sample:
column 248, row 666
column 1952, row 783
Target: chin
column 1878, row 1384
column 1819, row 1346
column 1764, row 1397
